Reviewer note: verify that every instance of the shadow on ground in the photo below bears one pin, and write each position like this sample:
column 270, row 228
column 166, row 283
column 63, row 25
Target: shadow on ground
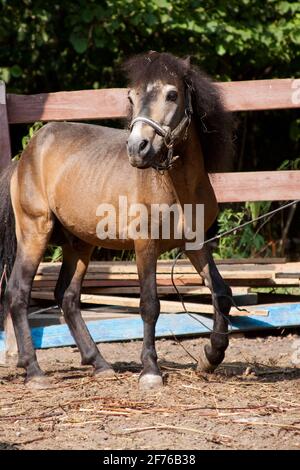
column 6, row 446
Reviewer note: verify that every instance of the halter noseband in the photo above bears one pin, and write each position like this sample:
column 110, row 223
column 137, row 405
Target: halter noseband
column 170, row 136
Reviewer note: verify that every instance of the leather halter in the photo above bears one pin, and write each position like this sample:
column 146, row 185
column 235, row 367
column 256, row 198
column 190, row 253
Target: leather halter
column 170, row 136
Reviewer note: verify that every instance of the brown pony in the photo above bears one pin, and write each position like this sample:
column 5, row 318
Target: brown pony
column 179, row 130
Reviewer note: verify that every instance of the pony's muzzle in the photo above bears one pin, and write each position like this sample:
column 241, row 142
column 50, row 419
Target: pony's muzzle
column 139, row 150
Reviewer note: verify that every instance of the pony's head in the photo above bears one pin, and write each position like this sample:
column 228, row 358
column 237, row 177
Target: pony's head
column 165, row 92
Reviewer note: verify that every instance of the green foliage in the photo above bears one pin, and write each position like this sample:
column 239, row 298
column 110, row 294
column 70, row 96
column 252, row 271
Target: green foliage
column 71, row 45
column 53, row 254
column 256, row 209
column 124, row 255
column 295, row 130
column 245, row 243
column 26, row 138
column 32, row 130
column 169, row 254
column 290, row 164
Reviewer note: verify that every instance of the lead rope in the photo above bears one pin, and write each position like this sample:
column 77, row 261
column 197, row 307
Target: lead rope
column 217, row 237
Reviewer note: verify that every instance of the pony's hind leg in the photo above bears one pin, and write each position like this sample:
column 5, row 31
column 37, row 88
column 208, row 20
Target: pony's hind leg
column 213, row 354
column 146, row 258
column 67, row 294
column 32, row 242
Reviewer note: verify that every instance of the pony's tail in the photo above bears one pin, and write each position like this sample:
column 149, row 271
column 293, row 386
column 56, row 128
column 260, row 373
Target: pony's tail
column 8, row 240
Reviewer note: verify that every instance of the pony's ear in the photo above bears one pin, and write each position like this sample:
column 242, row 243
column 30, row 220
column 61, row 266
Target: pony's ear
column 151, row 55
column 187, row 62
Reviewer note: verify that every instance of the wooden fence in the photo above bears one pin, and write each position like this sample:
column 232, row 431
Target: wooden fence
column 112, row 104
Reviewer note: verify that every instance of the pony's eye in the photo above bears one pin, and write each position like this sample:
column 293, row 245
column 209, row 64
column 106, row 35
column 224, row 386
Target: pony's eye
column 172, row 95
column 130, row 99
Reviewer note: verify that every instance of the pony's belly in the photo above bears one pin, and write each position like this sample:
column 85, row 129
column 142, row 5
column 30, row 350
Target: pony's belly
column 114, row 231
column 116, row 243
column 85, row 229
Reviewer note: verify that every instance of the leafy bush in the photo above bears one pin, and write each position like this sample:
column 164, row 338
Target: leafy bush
column 247, row 242
column 71, row 45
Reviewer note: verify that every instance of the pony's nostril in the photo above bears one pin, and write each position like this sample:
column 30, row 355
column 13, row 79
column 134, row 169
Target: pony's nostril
column 143, row 145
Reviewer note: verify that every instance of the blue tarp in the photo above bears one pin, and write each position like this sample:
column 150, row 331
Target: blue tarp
column 120, row 329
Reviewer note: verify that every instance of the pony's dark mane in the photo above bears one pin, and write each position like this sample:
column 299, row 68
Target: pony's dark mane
column 214, row 123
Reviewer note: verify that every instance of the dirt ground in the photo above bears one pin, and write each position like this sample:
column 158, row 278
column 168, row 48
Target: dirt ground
column 252, row 401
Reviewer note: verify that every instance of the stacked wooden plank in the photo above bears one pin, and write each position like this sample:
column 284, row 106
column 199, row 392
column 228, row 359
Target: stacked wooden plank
column 111, row 288
column 119, row 277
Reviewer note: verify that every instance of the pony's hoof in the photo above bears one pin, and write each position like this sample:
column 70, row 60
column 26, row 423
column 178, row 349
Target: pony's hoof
column 150, row 382
column 39, row 382
column 203, row 363
column 104, row 373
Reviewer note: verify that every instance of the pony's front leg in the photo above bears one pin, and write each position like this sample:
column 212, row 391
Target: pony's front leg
column 213, row 354
column 146, row 259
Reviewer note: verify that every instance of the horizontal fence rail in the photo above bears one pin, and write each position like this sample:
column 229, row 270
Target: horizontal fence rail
column 259, row 95
column 68, row 105
column 256, row 186
column 112, row 103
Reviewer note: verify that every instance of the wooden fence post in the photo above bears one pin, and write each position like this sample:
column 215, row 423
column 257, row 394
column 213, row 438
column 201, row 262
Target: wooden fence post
column 5, row 150
column 5, row 159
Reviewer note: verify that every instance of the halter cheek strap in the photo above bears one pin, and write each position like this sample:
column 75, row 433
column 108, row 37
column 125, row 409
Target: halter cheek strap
column 171, row 137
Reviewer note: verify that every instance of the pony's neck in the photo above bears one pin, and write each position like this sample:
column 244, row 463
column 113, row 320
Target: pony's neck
column 189, row 180
column 189, row 172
